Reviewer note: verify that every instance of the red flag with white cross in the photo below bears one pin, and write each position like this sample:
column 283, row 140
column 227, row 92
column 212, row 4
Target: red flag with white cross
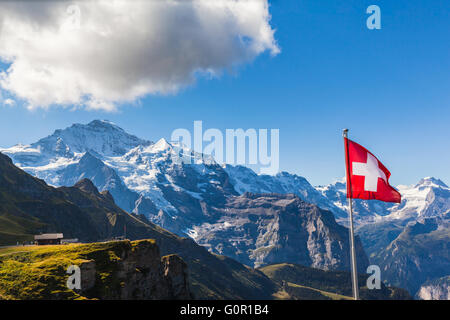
column 367, row 177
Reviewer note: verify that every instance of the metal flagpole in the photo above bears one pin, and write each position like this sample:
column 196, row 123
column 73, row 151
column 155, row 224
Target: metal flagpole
column 352, row 237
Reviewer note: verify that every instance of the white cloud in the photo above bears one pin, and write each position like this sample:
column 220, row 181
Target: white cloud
column 100, row 53
column 9, row 102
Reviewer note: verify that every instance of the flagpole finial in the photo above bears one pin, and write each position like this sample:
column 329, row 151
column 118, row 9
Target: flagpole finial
column 345, row 133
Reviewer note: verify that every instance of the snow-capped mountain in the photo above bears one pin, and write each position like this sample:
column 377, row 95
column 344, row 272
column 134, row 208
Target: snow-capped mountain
column 46, row 157
column 100, row 137
column 142, row 176
column 146, row 177
column 104, row 178
column 430, row 197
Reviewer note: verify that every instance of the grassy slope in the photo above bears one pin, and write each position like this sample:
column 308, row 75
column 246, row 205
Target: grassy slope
column 304, row 283
column 16, row 225
column 296, row 290
column 36, row 272
column 330, row 284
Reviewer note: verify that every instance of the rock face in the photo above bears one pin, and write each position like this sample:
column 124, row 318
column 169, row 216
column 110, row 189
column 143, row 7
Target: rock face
column 175, row 274
column 438, row 289
column 260, row 229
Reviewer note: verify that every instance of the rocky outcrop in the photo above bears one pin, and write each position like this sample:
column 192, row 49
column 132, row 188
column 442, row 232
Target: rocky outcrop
column 136, row 271
column 175, row 273
column 114, row 270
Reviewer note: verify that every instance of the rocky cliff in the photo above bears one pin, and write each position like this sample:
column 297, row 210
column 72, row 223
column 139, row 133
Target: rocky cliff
column 110, row 270
column 261, row 229
column 139, row 273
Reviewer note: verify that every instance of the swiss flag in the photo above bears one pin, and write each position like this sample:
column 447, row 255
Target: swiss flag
column 367, row 177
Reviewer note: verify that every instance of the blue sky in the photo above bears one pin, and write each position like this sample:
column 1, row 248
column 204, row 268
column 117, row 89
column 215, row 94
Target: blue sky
column 391, row 87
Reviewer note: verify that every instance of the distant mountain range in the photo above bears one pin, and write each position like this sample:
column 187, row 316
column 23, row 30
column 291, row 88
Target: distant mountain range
column 430, row 197
column 214, row 204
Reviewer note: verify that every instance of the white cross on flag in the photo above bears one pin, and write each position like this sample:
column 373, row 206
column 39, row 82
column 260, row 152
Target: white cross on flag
column 367, row 177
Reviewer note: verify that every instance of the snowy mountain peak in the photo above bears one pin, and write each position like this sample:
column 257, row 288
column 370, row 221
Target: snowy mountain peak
column 159, row 150
column 101, row 137
column 104, row 123
column 89, row 158
column 431, row 182
column 161, row 145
